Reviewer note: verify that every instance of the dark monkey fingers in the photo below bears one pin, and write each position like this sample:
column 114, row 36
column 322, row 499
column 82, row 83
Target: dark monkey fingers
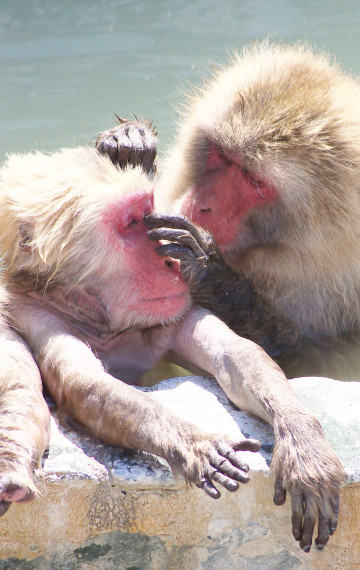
column 215, row 286
column 226, row 467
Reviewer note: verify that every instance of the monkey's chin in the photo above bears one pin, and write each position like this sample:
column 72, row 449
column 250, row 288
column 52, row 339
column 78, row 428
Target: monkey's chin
column 163, row 309
column 242, row 245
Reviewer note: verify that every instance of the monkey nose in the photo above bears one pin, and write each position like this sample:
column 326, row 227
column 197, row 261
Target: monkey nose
column 173, row 264
column 205, row 210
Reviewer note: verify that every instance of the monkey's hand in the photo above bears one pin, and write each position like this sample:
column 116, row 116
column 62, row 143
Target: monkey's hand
column 216, row 286
column 214, row 460
column 195, row 248
column 306, row 467
column 129, row 143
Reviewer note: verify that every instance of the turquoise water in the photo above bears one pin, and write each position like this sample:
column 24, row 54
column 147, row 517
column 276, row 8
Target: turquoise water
column 67, row 66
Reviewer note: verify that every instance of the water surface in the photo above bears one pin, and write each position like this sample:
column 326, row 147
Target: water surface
column 67, row 66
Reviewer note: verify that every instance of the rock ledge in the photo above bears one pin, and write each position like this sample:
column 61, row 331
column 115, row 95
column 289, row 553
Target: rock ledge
column 104, row 508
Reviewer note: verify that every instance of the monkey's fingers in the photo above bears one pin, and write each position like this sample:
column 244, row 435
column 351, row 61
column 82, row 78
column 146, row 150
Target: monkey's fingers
column 209, row 488
column 297, row 513
column 335, row 515
column 202, row 237
column 247, row 444
column 130, row 143
column 148, row 160
column 225, row 459
column 192, row 268
column 327, row 525
column 229, row 449
column 306, row 507
column 229, row 471
column 141, row 154
column 118, row 148
column 212, row 473
column 169, row 221
column 279, row 493
column 310, row 512
column 226, row 466
column 107, row 144
column 142, row 141
column 175, row 251
column 181, row 237
column 227, row 482
column 304, row 512
column 323, row 531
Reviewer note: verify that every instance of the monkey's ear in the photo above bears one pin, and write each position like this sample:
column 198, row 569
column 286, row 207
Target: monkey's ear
column 25, row 235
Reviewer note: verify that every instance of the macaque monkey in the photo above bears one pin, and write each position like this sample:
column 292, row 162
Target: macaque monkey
column 268, row 162
column 99, row 307
column 24, row 417
column 262, row 194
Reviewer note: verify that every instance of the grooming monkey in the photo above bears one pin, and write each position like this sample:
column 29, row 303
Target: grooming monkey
column 268, row 162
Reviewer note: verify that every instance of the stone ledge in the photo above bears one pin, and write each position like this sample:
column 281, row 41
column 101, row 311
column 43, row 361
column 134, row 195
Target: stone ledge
column 104, row 508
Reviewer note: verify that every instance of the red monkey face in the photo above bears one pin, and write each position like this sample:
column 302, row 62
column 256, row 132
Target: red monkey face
column 224, row 194
column 134, row 275
column 78, row 226
column 267, row 154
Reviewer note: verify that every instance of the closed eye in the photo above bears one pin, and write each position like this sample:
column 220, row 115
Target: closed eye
column 133, row 223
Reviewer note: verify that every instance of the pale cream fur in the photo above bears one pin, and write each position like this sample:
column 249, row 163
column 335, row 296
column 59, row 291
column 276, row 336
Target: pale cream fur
column 59, row 217
column 292, row 116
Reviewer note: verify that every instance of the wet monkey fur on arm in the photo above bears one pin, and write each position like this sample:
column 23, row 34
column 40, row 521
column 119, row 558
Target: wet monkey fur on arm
column 267, row 166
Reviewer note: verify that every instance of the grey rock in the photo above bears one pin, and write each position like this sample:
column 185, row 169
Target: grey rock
column 104, row 508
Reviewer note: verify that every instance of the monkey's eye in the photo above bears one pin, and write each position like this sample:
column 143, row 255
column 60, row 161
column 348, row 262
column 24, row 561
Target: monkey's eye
column 123, row 227
column 133, row 223
column 253, row 180
column 215, row 158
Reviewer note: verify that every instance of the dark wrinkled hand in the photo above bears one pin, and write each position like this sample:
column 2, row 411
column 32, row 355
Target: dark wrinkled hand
column 225, row 466
column 129, row 143
column 213, row 284
column 309, row 504
column 193, row 246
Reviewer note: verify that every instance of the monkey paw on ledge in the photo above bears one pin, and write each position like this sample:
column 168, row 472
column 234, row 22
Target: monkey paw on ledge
column 109, row 508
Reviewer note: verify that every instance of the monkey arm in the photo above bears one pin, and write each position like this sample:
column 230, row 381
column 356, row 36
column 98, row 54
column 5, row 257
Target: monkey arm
column 303, row 461
column 24, row 420
column 215, row 286
column 123, row 416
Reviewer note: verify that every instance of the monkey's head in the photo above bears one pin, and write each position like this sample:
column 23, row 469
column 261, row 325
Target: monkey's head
column 72, row 219
column 269, row 152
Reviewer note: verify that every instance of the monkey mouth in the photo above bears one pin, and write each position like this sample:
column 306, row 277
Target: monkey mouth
column 163, row 309
column 165, row 297
column 170, row 304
